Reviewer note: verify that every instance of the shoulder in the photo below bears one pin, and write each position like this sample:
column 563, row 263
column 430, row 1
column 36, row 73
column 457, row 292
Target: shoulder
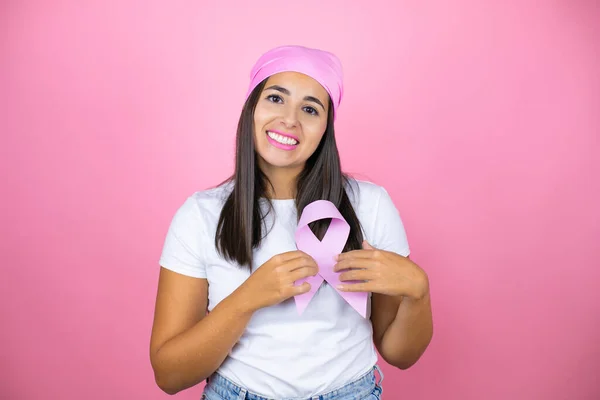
column 363, row 193
column 201, row 209
column 210, row 200
column 371, row 201
column 379, row 216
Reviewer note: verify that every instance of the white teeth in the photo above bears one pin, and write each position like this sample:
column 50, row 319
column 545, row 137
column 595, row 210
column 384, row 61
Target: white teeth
column 282, row 139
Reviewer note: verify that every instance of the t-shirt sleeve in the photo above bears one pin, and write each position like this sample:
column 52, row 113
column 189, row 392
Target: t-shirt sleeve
column 388, row 230
column 185, row 240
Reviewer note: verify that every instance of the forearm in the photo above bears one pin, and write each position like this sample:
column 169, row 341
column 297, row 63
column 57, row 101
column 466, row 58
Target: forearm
column 195, row 354
column 409, row 334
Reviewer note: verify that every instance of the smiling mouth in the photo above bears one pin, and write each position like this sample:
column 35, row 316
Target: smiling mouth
column 285, row 140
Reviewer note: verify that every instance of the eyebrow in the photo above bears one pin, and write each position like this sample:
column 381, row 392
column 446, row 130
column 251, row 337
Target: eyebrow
column 287, row 92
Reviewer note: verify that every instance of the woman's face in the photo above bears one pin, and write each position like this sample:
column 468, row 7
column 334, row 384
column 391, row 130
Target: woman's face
column 290, row 119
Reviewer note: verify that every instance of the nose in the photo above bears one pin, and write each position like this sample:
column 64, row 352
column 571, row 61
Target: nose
column 290, row 117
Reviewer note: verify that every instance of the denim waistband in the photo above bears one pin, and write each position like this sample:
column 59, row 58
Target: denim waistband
column 357, row 389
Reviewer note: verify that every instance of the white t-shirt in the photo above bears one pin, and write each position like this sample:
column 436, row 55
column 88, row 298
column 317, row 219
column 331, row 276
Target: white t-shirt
column 282, row 353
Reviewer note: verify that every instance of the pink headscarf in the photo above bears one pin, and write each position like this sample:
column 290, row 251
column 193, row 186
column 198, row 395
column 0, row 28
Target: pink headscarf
column 322, row 66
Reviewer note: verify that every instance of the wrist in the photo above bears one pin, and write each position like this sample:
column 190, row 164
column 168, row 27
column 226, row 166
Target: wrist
column 242, row 302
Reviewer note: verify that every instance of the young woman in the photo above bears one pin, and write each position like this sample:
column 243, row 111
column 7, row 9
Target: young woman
column 231, row 270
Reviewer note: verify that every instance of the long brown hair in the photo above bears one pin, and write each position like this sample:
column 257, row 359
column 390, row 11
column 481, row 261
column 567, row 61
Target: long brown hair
column 240, row 227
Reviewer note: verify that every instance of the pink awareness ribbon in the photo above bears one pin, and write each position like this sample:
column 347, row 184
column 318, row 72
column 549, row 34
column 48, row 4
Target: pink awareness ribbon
column 323, row 253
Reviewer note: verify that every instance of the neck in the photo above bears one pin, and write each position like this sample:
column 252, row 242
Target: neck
column 283, row 182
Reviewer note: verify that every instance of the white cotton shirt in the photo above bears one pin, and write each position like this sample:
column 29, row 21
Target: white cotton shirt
column 282, row 353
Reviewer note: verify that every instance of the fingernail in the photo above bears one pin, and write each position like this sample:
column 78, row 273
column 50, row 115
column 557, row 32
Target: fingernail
column 340, row 287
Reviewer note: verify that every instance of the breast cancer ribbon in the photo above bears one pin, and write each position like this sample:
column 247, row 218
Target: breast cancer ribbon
column 323, row 252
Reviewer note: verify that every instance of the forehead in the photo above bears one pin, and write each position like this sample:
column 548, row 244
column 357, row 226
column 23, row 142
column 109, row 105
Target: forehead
column 298, row 83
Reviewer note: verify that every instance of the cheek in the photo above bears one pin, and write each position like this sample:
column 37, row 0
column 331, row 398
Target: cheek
column 315, row 131
column 262, row 115
column 259, row 119
column 313, row 142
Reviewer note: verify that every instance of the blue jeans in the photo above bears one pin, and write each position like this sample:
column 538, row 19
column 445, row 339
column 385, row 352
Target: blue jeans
column 364, row 388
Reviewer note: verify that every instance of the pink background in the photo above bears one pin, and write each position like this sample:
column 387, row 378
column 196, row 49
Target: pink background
column 481, row 120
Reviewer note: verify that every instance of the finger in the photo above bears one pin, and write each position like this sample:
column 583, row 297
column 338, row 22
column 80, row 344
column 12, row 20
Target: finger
column 290, row 255
column 302, row 273
column 360, row 254
column 304, row 288
column 301, row 262
column 295, row 290
column 367, row 246
column 364, row 263
column 356, row 275
column 356, row 287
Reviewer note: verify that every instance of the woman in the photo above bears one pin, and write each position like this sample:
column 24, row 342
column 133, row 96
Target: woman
column 231, row 271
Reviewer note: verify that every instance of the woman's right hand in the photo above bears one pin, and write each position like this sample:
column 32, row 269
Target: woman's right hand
column 274, row 281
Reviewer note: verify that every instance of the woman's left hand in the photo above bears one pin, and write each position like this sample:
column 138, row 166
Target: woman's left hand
column 381, row 272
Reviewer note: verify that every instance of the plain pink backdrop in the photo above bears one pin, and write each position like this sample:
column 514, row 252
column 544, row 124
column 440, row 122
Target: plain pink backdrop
column 480, row 118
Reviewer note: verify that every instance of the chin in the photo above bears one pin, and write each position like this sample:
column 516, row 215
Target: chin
column 276, row 161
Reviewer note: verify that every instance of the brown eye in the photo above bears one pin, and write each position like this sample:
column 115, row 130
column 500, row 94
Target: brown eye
column 311, row 110
column 274, row 98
